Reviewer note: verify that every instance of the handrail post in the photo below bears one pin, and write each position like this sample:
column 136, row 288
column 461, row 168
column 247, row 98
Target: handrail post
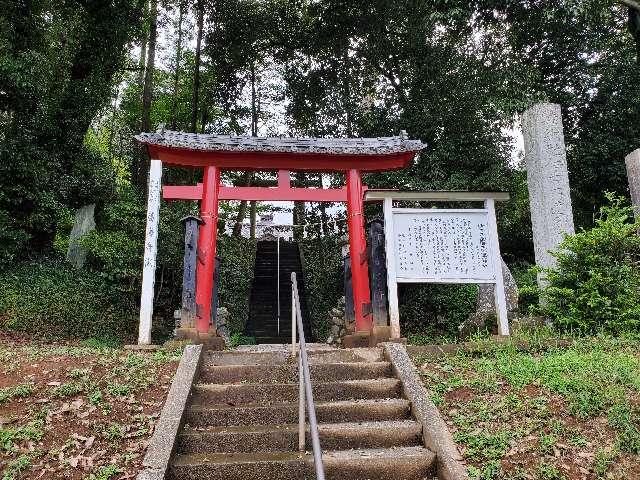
column 305, row 378
column 301, row 412
column 293, row 323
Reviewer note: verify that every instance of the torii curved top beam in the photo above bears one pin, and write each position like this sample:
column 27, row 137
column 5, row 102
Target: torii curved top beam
column 279, row 153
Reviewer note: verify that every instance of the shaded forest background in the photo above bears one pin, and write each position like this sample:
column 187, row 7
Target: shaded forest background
column 79, row 78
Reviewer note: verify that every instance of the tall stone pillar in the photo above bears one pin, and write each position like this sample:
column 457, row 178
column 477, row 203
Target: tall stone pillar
column 547, row 180
column 632, row 162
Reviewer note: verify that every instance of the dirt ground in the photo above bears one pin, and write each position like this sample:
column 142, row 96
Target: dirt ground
column 78, row 410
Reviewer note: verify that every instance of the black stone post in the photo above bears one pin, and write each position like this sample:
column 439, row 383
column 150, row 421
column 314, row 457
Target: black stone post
column 188, row 314
column 378, row 272
column 349, row 311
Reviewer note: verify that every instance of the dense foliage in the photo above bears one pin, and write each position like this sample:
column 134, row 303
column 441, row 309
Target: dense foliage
column 595, row 285
column 53, row 299
column 57, row 67
column 323, row 279
column 79, row 78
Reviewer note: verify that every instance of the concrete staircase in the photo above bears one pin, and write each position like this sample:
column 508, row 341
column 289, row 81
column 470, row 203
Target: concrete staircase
column 241, row 422
column 263, row 301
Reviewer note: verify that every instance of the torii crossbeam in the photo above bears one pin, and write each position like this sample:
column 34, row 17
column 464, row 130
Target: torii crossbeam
column 215, row 153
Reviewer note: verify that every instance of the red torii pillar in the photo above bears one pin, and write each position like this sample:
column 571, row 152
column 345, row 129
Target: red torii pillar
column 358, row 252
column 207, row 242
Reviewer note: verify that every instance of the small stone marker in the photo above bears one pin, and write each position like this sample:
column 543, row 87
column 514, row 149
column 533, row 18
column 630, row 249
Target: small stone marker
column 632, row 161
column 84, row 223
column 547, row 180
column 486, row 300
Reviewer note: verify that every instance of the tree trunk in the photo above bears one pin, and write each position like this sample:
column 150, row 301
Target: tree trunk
column 299, row 217
column 346, row 92
column 242, row 209
column 143, row 51
column 254, row 217
column 176, row 75
column 196, row 68
column 254, row 133
column 142, row 61
column 323, row 210
column 634, row 29
column 147, row 92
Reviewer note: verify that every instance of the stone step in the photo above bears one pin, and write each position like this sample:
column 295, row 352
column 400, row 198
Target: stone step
column 211, row 393
column 407, row 463
column 280, row 357
column 274, row 438
column 287, row 413
column 288, row 372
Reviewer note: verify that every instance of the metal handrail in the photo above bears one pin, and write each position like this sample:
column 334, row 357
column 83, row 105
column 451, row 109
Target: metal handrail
column 305, row 390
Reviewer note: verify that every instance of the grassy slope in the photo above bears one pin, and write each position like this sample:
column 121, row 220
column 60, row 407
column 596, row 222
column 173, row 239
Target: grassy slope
column 556, row 413
column 77, row 411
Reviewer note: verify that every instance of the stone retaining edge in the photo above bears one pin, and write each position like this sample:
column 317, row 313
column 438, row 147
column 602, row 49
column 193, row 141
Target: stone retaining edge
column 161, row 447
column 435, row 432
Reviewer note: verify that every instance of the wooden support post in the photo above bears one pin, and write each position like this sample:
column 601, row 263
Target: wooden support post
column 214, row 297
column 150, row 251
column 499, row 295
column 377, row 273
column 349, row 314
column 188, row 315
column 392, row 284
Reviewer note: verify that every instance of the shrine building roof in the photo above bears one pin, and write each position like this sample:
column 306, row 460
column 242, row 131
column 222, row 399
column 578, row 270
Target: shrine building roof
column 245, row 152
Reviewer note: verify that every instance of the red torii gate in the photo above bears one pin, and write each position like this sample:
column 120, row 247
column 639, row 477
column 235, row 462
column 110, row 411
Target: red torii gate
column 215, row 153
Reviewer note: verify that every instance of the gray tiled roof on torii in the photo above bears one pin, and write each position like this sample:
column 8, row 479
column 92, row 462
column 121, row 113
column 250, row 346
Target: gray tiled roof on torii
column 231, row 143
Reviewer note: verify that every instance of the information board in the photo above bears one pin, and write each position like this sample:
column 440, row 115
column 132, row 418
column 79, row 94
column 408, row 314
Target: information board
column 445, row 246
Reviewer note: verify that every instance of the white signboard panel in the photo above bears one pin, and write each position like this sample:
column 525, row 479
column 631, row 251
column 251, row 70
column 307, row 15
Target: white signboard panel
column 442, row 246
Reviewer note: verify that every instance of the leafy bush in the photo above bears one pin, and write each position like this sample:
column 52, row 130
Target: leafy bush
column 430, row 312
column 324, row 280
column 52, row 298
column 237, row 255
column 595, row 284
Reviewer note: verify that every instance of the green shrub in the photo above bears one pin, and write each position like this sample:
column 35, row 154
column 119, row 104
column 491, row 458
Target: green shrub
column 595, row 284
column 431, row 312
column 237, row 256
column 53, row 299
column 323, row 279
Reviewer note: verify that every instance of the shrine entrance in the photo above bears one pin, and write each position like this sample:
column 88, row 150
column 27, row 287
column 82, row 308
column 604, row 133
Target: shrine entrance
column 215, row 153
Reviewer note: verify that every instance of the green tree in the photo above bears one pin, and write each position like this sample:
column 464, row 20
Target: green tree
column 57, row 64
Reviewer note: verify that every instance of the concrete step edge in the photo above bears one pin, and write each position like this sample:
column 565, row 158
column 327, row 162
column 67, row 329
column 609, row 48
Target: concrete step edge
column 338, row 403
column 290, row 427
column 375, row 382
column 331, row 456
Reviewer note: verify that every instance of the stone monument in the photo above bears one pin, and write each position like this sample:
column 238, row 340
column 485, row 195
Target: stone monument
column 84, row 223
column 547, row 179
column 632, row 162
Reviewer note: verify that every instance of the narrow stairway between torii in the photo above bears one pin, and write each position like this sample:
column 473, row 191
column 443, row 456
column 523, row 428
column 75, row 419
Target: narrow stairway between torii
column 242, row 420
column 263, row 302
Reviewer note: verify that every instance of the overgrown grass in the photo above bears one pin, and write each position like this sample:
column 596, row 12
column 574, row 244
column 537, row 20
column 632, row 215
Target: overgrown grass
column 525, row 397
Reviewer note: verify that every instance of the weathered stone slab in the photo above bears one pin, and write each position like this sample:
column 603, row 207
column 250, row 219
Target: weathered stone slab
column 436, row 434
column 486, row 299
column 156, row 461
column 632, row 161
column 84, row 223
column 547, row 180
